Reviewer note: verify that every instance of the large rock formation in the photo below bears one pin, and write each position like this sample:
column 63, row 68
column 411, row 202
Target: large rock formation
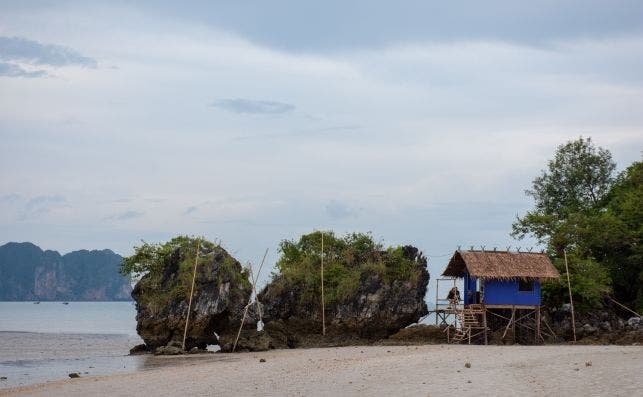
column 221, row 293
column 29, row 273
column 371, row 294
column 377, row 308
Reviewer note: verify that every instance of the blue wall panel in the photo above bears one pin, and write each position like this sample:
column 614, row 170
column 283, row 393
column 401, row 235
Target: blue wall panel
column 469, row 289
column 501, row 292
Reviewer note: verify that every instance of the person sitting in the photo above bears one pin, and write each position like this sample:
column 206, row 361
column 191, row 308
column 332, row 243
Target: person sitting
column 453, row 297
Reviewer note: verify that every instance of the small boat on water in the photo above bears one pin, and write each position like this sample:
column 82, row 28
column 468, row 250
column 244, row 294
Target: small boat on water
column 36, row 303
column 65, row 303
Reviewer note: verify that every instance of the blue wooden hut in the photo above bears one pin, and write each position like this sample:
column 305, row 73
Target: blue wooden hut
column 501, row 280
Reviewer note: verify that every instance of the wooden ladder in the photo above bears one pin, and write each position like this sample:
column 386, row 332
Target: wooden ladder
column 466, row 322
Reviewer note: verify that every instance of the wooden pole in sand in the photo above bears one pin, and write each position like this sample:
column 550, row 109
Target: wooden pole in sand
column 254, row 285
column 245, row 312
column 322, row 286
column 187, row 319
column 571, row 301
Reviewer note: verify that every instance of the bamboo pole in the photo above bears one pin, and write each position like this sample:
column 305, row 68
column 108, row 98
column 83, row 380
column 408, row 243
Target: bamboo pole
column 538, row 335
column 243, row 319
column 513, row 325
column 323, row 310
column 245, row 312
column 513, row 313
column 626, row 308
column 437, row 285
column 254, row 283
column 550, row 330
column 484, row 323
column 187, row 319
column 571, row 301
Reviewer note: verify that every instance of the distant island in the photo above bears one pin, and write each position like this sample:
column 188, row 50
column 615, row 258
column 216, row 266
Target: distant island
column 27, row 273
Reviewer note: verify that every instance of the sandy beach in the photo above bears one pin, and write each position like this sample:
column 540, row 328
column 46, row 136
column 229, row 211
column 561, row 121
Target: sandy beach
column 430, row 370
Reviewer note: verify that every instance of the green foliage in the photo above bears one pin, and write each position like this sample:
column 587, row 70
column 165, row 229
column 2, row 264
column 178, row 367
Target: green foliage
column 623, row 253
column 597, row 219
column 588, row 279
column 578, row 177
column 152, row 261
column 346, row 261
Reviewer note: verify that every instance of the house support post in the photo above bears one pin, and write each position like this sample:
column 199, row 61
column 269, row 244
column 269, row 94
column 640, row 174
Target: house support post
column 437, row 315
column 484, row 324
column 538, row 336
column 513, row 324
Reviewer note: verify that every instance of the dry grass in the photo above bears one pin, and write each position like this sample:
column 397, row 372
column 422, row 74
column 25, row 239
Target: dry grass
column 501, row 265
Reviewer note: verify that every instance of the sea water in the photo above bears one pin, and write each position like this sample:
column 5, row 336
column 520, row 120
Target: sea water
column 75, row 317
column 47, row 341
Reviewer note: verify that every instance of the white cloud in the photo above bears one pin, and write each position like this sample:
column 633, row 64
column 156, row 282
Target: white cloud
column 433, row 142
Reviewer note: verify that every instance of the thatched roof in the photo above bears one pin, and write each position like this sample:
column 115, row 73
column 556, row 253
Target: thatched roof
column 501, row 265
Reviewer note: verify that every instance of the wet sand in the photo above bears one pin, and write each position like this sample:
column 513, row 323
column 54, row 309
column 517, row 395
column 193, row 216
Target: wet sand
column 27, row 357
column 435, row 370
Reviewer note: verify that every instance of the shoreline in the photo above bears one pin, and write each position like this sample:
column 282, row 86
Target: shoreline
column 35, row 357
column 377, row 370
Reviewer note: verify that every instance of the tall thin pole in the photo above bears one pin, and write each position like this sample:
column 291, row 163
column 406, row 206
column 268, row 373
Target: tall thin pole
column 437, row 286
column 245, row 312
column 571, row 301
column 626, row 308
column 187, row 319
column 254, row 284
column 322, row 287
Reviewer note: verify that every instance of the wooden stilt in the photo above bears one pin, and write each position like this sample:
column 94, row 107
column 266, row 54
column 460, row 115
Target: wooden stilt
column 513, row 324
column 484, row 323
column 553, row 334
column 437, row 286
column 538, row 336
column 511, row 320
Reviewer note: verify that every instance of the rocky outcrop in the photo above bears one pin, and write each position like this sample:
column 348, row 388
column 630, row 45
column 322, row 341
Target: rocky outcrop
column 378, row 307
column 221, row 293
column 600, row 326
column 29, row 273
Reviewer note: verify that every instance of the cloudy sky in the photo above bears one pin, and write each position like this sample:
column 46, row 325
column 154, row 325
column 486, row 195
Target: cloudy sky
column 254, row 121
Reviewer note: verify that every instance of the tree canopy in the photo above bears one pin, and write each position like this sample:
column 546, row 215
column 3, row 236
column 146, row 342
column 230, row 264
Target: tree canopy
column 583, row 209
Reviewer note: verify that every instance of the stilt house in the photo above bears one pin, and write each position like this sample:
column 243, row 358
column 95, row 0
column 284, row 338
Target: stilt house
column 500, row 277
column 500, row 280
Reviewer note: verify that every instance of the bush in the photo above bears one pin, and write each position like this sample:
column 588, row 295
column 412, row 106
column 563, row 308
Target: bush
column 346, row 261
column 153, row 262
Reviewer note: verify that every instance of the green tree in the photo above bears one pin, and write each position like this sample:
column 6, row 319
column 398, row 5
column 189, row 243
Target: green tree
column 568, row 215
column 621, row 248
column 575, row 183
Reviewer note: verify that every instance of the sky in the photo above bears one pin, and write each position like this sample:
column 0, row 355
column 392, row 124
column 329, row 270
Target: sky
column 250, row 122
